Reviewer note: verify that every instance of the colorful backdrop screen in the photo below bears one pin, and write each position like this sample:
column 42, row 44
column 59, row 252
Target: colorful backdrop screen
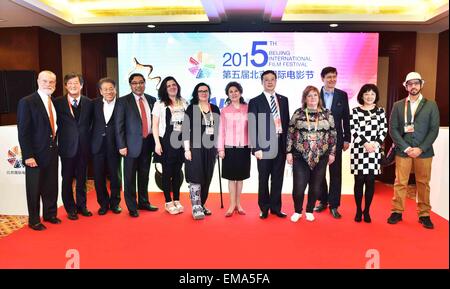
column 218, row 58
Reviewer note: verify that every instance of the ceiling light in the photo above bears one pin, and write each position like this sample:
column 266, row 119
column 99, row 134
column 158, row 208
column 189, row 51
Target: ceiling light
column 334, row 25
column 151, row 26
column 3, row 20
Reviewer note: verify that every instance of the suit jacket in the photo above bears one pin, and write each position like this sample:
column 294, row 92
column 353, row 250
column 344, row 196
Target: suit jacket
column 73, row 135
column 426, row 127
column 341, row 116
column 102, row 131
column 34, row 130
column 129, row 124
column 261, row 132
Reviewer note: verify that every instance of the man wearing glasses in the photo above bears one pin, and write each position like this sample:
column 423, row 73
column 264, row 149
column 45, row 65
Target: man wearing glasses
column 135, row 143
column 414, row 126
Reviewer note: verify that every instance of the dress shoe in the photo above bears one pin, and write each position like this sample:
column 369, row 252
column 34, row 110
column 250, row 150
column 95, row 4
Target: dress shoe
column 207, row 211
column 85, row 212
column 116, row 210
column 335, row 213
column 53, row 220
column 358, row 217
column 321, row 207
column 134, row 214
column 426, row 222
column 263, row 215
column 279, row 214
column 72, row 216
column 394, row 218
column 37, row 227
column 147, row 207
column 102, row 211
column 367, row 218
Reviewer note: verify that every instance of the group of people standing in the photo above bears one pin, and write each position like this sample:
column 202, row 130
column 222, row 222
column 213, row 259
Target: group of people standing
column 137, row 127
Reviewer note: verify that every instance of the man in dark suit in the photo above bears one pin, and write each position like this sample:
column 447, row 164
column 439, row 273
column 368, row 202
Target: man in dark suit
column 135, row 142
column 268, row 125
column 74, row 135
column 104, row 150
column 337, row 101
column 36, row 125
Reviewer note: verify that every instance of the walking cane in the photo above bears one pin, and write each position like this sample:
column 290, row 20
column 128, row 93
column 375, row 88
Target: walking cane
column 220, row 182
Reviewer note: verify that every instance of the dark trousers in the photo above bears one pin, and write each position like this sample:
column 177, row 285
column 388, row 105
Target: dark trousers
column 75, row 167
column 332, row 195
column 369, row 182
column 204, row 192
column 107, row 160
column 42, row 182
column 171, row 180
column 273, row 168
column 139, row 167
column 303, row 175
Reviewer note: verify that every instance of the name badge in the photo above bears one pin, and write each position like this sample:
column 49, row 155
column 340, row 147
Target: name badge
column 177, row 126
column 409, row 128
column 209, row 130
column 178, row 115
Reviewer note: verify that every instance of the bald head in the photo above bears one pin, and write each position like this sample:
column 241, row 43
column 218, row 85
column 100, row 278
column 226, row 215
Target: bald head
column 46, row 82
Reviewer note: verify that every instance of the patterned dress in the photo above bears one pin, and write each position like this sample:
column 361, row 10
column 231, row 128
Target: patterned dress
column 367, row 126
column 311, row 143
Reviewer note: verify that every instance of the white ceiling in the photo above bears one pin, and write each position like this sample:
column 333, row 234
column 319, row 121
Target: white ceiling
column 224, row 15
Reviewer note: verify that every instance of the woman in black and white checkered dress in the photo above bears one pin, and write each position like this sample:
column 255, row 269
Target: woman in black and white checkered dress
column 369, row 129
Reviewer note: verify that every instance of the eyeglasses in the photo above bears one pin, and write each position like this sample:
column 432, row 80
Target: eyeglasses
column 202, row 91
column 138, row 83
column 411, row 83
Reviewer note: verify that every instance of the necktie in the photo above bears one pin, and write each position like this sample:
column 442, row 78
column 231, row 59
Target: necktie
column 75, row 103
column 50, row 116
column 144, row 118
column 273, row 106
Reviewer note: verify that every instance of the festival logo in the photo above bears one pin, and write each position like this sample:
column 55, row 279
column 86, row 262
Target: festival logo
column 202, row 65
column 15, row 157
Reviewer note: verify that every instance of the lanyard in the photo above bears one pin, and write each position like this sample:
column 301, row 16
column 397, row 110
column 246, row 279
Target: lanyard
column 211, row 119
column 307, row 120
column 177, row 104
column 412, row 112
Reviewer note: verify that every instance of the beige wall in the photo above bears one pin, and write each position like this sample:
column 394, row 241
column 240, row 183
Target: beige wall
column 426, row 61
column 71, row 53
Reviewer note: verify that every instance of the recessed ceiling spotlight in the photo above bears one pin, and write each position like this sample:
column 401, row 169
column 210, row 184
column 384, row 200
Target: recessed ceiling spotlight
column 151, row 26
column 3, row 20
column 334, row 25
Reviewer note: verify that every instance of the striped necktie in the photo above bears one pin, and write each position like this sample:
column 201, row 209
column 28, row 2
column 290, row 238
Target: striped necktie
column 273, row 106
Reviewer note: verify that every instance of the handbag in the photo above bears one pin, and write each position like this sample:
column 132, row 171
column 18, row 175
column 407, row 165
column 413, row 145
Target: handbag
column 388, row 158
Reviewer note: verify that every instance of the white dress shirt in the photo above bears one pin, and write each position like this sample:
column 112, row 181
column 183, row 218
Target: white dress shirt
column 44, row 98
column 108, row 109
column 148, row 111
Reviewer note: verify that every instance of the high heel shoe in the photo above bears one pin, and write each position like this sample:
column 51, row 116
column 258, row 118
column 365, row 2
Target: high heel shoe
column 229, row 214
column 240, row 211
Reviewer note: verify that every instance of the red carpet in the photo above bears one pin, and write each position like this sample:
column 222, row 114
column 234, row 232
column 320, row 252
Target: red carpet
column 160, row 240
